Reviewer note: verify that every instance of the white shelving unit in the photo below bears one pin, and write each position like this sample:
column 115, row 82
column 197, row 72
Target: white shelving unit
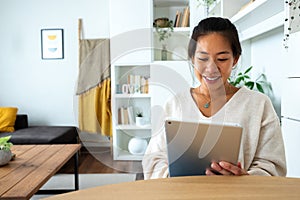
column 177, row 43
column 226, row 8
column 138, row 100
column 271, row 15
column 130, row 53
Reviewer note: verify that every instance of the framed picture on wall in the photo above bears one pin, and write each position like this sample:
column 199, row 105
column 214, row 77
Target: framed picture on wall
column 52, row 43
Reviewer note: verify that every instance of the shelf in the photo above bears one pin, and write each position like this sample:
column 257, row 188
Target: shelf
column 263, row 27
column 125, row 155
column 169, row 3
column 135, row 95
column 247, row 10
column 271, row 15
column 177, row 30
column 182, row 29
column 133, row 127
column 225, row 8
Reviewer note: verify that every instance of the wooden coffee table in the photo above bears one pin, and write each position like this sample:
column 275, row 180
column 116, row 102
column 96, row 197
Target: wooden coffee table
column 32, row 167
column 194, row 187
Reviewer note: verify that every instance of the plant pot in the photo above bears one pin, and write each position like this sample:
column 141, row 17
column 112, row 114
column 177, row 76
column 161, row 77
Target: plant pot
column 161, row 22
column 137, row 146
column 139, row 121
column 5, row 157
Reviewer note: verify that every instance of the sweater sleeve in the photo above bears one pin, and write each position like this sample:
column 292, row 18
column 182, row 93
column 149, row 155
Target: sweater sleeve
column 155, row 162
column 269, row 159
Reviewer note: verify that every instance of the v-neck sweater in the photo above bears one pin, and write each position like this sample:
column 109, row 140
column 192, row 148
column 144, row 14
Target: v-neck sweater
column 262, row 148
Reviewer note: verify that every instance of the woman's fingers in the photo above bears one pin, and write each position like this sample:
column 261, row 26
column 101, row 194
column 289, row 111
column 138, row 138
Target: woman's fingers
column 233, row 169
column 225, row 168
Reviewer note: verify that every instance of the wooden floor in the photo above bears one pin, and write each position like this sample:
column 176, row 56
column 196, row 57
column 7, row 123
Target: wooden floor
column 99, row 160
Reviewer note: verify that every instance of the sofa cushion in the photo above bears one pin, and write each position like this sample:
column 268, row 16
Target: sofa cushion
column 21, row 121
column 45, row 135
column 7, row 119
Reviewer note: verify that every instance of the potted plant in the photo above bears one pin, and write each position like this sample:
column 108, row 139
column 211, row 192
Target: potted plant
column 260, row 84
column 163, row 27
column 5, row 152
column 139, row 119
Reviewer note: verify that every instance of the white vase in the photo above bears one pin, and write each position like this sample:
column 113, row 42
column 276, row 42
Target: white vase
column 137, row 146
column 139, row 121
column 5, row 157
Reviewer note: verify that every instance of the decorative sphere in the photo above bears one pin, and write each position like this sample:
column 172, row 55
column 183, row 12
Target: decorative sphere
column 137, row 146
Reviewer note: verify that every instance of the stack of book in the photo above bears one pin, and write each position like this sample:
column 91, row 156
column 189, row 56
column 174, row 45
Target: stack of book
column 139, row 82
column 182, row 18
column 125, row 116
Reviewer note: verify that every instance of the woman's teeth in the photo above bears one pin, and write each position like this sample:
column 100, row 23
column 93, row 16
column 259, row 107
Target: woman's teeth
column 212, row 78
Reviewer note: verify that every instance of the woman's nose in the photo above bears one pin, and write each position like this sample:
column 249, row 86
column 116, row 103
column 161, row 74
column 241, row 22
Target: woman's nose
column 211, row 66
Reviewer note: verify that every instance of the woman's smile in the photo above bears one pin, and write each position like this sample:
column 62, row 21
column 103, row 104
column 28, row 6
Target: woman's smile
column 211, row 79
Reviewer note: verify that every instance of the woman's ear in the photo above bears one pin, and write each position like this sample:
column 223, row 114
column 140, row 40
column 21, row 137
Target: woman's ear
column 192, row 59
column 236, row 59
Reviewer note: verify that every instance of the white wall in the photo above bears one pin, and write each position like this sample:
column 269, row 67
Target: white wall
column 45, row 89
column 268, row 56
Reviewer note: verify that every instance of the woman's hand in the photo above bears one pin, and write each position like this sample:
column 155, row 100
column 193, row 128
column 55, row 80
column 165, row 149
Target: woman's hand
column 225, row 168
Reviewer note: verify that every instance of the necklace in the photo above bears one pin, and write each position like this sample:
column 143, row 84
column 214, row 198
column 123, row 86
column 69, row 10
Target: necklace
column 208, row 102
column 207, row 105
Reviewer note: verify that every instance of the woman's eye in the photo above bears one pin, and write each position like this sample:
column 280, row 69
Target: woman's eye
column 203, row 59
column 222, row 59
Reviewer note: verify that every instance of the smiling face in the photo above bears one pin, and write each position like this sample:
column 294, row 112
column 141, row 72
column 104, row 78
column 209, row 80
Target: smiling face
column 213, row 61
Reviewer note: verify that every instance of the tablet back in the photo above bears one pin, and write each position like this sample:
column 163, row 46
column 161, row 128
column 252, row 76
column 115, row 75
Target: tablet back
column 192, row 146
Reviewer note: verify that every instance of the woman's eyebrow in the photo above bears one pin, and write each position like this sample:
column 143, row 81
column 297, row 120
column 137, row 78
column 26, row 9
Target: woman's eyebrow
column 202, row 52
column 223, row 52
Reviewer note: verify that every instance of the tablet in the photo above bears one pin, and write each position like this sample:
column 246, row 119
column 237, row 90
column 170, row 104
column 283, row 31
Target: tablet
column 192, row 146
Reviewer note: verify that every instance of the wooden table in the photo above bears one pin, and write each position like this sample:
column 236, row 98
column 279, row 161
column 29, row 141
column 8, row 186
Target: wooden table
column 196, row 187
column 32, row 167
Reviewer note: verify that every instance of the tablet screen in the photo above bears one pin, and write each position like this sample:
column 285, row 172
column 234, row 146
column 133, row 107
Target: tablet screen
column 192, row 146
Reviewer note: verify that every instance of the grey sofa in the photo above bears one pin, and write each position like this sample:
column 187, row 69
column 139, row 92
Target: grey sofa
column 25, row 134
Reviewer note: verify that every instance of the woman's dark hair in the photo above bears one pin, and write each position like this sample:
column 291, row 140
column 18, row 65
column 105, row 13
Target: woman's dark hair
column 215, row 25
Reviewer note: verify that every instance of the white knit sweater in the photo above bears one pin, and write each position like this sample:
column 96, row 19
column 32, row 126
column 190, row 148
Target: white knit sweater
column 262, row 148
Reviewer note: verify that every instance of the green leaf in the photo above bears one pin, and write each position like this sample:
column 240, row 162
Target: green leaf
column 250, row 85
column 247, row 77
column 259, row 88
column 239, row 79
column 4, row 140
column 248, row 70
column 4, row 144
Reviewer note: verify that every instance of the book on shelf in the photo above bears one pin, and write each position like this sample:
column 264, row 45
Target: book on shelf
column 125, row 115
column 177, row 19
column 130, row 115
column 126, row 120
column 185, row 17
column 138, row 84
column 122, row 112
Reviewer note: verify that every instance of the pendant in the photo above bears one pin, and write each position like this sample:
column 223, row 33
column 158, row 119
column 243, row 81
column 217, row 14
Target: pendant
column 206, row 105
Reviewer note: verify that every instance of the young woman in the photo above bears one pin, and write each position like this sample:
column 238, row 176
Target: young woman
column 214, row 50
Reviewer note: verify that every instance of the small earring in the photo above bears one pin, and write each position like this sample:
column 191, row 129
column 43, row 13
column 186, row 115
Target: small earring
column 234, row 67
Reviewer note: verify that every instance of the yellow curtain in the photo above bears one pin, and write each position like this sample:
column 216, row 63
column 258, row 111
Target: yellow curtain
column 94, row 85
column 95, row 109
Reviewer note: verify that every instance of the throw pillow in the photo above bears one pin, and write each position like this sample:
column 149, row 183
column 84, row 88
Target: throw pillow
column 8, row 117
